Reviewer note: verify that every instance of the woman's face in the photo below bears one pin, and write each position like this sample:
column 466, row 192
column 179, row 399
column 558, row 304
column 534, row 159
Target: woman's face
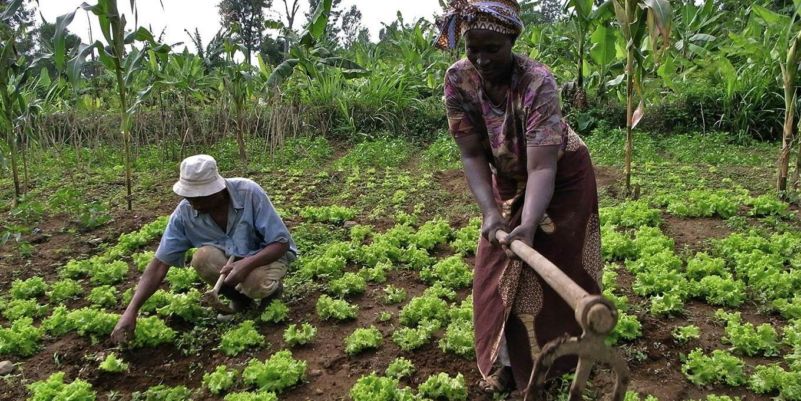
column 491, row 54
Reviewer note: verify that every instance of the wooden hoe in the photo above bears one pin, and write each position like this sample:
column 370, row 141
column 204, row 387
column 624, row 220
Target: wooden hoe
column 212, row 297
column 596, row 317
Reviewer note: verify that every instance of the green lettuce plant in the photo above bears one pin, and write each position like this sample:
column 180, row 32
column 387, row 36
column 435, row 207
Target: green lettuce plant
column 275, row 374
column 302, row 334
column 363, row 339
column 239, row 338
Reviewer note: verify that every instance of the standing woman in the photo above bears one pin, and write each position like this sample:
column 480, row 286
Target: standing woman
column 529, row 172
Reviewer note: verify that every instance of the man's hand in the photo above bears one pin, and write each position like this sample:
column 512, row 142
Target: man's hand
column 235, row 272
column 125, row 329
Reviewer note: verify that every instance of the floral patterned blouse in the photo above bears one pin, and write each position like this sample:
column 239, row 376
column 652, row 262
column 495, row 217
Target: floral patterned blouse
column 531, row 116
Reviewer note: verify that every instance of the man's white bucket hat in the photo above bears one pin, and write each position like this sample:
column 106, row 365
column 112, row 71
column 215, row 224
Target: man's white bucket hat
column 199, row 177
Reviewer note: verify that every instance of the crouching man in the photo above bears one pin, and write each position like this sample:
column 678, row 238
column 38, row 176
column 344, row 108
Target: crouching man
column 221, row 218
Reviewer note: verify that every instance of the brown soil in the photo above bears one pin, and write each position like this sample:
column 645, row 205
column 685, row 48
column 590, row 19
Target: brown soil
column 694, row 234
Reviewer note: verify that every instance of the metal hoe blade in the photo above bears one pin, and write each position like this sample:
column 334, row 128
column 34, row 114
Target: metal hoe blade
column 590, row 350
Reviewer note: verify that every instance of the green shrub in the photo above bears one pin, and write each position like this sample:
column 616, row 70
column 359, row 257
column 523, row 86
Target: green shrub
column 339, row 309
column 113, row 364
column 459, row 338
column 64, row 290
column 303, row 152
column 377, row 388
column 363, row 339
column 424, row 308
column 21, row 339
column 684, row 334
column 20, row 308
column 152, row 332
column 246, row 396
column 187, row 306
column 142, row 259
column 221, row 379
column 452, row 272
column 394, row 295
column 109, row 273
column 399, row 368
column 632, row 214
column 432, row 233
column 408, row 338
column 442, row 154
column 276, row 312
column 277, row 373
column 347, row 285
column 720, row 367
column 163, row 393
column 444, row 387
column 236, row 340
column 104, row 296
column 466, row 238
column 768, row 205
column 383, row 152
column 299, row 334
column 54, row 389
column 752, row 340
column 27, row 289
column 703, row 265
column 616, row 245
column 628, row 328
column 328, row 214
column 182, row 279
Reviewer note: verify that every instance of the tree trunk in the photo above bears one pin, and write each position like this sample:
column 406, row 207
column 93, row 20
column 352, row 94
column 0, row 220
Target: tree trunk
column 291, row 12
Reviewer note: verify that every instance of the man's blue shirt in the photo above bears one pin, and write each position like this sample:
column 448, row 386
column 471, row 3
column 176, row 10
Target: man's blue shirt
column 253, row 224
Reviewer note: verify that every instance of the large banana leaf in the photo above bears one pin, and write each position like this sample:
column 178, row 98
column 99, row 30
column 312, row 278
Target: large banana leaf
column 282, row 72
column 317, row 24
column 60, row 39
column 660, row 20
column 11, row 10
column 583, row 8
column 603, row 51
column 770, row 17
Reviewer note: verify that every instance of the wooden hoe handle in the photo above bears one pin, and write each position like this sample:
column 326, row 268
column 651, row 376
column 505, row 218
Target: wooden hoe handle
column 556, row 278
column 220, row 280
column 592, row 312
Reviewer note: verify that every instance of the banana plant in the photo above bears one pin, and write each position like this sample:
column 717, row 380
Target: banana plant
column 583, row 18
column 638, row 20
column 237, row 81
column 124, row 64
column 310, row 57
column 697, row 28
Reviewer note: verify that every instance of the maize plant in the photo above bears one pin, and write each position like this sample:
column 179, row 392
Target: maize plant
column 639, row 19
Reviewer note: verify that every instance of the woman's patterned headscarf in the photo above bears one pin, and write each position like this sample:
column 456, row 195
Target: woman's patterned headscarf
column 502, row 16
